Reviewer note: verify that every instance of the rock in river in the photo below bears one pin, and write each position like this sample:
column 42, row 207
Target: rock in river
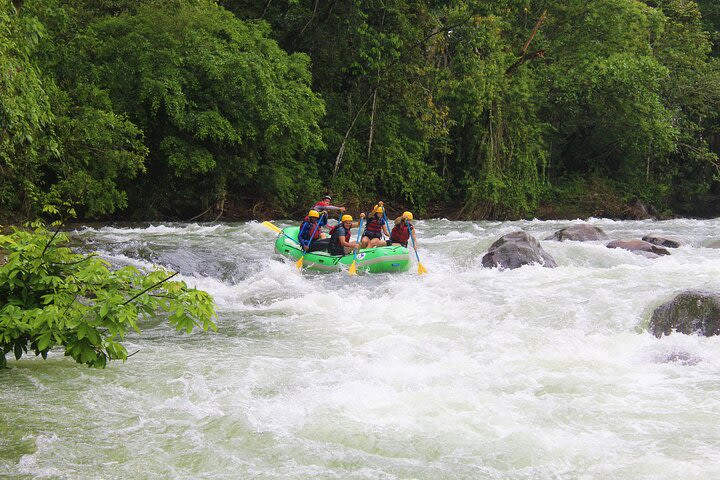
column 661, row 241
column 690, row 312
column 640, row 247
column 579, row 233
column 515, row 250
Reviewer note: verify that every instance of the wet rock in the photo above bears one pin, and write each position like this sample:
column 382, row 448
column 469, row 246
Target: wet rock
column 515, row 250
column 690, row 312
column 661, row 241
column 579, row 233
column 713, row 244
column 639, row 247
column 682, row 358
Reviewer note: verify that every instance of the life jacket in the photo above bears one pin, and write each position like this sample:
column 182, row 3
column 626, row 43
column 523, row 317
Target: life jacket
column 400, row 233
column 334, row 246
column 374, row 226
column 306, row 229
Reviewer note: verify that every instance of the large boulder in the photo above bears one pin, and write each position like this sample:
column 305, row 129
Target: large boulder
column 639, row 247
column 661, row 241
column 690, row 312
column 515, row 250
column 579, row 233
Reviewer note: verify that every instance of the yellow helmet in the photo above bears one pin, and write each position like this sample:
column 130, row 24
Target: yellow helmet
column 346, row 218
column 407, row 215
column 313, row 214
column 377, row 209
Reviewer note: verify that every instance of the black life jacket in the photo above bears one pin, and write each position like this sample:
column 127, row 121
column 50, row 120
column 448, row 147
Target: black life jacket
column 334, row 246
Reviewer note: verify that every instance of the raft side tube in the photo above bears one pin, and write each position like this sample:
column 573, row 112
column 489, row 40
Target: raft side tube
column 373, row 260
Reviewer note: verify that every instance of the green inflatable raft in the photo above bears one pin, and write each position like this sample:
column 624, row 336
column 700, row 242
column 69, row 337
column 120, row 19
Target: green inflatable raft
column 373, row 260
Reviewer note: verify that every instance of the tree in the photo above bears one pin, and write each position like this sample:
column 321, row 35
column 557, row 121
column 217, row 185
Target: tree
column 24, row 110
column 223, row 108
column 52, row 297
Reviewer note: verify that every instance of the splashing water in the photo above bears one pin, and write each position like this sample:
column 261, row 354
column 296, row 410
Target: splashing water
column 463, row 373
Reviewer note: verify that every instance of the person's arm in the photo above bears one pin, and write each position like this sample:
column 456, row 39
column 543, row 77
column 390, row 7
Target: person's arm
column 412, row 233
column 331, row 207
column 357, row 224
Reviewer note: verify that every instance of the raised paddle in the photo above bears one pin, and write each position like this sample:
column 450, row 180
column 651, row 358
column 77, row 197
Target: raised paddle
column 421, row 269
column 299, row 263
column 353, row 269
column 387, row 224
column 277, row 229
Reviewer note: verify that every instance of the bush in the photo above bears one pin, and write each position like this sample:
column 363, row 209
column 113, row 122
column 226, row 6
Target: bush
column 51, row 297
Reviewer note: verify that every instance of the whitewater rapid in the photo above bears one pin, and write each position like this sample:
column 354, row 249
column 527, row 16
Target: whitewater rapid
column 464, row 373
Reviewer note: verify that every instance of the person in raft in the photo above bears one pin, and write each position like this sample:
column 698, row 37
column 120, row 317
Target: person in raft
column 340, row 243
column 324, row 205
column 402, row 231
column 375, row 228
column 312, row 223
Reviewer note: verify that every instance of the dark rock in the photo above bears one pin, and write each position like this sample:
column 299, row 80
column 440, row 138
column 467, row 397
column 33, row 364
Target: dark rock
column 579, row 233
column 515, row 250
column 639, row 246
column 661, row 241
column 690, row 312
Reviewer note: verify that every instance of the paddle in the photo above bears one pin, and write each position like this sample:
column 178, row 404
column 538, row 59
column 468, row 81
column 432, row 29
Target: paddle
column 421, row 269
column 299, row 263
column 353, row 268
column 387, row 224
column 277, row 229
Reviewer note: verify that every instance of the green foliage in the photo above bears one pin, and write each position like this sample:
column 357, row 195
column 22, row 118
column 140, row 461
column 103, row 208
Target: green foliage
column 24, row 109
column 168, row 106
column 52, row 297
column 219, row 102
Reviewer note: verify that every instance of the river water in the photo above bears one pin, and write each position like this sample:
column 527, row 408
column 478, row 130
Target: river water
column 464, row 373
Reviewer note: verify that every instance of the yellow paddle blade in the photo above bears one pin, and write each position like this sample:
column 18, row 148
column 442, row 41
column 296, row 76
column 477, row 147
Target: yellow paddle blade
column 421, row 269
column 353, row 269
column 298, row 264
column 271, row 227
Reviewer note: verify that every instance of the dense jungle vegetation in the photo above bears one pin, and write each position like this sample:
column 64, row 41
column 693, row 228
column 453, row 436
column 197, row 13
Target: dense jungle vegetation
column 144, row 109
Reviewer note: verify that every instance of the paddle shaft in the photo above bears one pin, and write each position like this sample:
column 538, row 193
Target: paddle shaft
column 357, row 242
column 312, row 237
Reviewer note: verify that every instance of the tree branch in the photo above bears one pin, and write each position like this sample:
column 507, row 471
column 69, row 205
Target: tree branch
column 51, row 240
column 524, row 56
column 338, row 159
column 315, row 7
column 150, row 288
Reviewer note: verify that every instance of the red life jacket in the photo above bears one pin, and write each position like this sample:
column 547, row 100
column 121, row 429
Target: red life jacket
column 310, row 227
column 400, row 233
column 374, row 225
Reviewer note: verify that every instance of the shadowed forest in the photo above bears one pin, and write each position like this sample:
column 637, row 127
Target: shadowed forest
column 479, row 109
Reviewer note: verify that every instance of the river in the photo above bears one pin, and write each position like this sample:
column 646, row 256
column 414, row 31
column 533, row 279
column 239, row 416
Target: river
column 464, row 373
